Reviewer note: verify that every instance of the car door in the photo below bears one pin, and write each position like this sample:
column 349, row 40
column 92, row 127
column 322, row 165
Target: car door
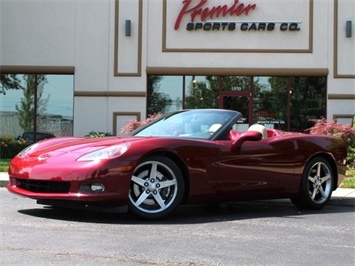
column 260, row 169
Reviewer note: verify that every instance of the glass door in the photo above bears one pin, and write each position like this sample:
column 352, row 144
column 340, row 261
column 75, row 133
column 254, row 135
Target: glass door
column 240, row 102
column 236, row 94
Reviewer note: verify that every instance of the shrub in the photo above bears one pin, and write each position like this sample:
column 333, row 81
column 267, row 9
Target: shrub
column 333, row 128
column 98, row 134
column 134, row 124
column 10, row 146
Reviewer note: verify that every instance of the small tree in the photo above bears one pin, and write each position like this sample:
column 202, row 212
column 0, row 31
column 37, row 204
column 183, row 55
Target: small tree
column 9, row 82
column 26, row 108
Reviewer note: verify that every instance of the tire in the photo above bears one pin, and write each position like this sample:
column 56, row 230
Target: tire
column 316, row 185
column 157, row 188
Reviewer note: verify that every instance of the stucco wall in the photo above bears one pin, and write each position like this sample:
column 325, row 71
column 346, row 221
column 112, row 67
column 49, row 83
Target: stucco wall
column 90, row 37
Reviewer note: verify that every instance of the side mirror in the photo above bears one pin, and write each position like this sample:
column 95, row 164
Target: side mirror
column 246, row 136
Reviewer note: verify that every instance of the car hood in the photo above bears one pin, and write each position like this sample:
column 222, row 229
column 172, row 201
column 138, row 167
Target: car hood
column 77, row 145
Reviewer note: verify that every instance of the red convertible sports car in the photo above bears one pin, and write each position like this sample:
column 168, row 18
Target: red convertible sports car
column 186, row 157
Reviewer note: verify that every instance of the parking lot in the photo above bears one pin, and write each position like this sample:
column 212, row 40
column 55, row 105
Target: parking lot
column 257, row 233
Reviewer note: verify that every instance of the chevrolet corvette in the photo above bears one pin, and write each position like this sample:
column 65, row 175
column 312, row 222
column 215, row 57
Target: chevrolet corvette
column 185, row 157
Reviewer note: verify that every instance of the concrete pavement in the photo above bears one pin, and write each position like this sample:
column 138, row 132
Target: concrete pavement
column 341, row 196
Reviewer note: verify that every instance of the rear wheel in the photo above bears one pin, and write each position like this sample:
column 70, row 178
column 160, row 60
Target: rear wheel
column 316, row 185
column 157, row 188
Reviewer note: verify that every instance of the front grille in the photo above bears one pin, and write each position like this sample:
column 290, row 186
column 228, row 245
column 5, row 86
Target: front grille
column 43, row 186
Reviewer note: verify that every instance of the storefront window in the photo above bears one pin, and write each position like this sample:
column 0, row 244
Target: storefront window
column 201, row 92
column 236, row 83
column 289, row 103
column 270, row 102
column 285, row 103
column 308, row 101
column 50, row 95
column 164, row 94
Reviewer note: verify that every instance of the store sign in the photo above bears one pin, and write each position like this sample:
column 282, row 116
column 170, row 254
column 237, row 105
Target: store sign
column 259, row 26
column 202, row 16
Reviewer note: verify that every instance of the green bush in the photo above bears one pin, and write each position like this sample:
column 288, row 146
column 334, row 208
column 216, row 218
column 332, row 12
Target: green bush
column 348, row 183
column 98, row 134
column 4, row 165
column 10, row 146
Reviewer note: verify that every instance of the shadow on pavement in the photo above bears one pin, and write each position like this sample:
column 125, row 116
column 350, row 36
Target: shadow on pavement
column 191, row 214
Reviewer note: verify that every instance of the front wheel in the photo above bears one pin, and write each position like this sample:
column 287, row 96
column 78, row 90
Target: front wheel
column 316, row 185
column 157, row 188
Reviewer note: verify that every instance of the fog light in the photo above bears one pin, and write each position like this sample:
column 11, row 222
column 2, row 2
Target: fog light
column 97, row 187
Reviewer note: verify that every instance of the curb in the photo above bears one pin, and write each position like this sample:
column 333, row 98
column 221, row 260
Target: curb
column 343, row 197
column 337, row 201
column 4, row 179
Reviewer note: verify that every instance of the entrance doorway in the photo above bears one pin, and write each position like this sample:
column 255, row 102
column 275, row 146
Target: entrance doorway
column 242, row 102
column 236, row 93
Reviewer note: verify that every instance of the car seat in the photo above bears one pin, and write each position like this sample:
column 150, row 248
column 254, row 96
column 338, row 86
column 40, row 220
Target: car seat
column 213, row 128
column 259, row 128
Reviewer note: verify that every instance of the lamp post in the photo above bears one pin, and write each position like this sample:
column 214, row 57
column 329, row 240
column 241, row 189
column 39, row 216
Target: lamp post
column 289, row 93
column 35, row 110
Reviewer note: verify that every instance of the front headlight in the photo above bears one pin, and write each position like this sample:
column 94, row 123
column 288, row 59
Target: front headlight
column 105, row 153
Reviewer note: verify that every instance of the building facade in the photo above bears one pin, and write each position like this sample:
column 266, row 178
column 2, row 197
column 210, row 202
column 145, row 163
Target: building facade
column 281, row 63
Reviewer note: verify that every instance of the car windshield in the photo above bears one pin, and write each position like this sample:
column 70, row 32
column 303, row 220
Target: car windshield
column 200, row 124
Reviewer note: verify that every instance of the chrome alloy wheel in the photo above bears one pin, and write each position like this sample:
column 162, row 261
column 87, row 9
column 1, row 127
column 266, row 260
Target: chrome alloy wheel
column 319, row 182
column 157, row 188
column 316, row 185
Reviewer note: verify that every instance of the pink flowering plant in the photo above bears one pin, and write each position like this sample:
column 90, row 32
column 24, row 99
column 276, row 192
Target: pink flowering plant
column 333, row 128
column 134, row 124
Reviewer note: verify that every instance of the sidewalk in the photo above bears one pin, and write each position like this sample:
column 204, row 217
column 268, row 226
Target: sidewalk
column 341, row 196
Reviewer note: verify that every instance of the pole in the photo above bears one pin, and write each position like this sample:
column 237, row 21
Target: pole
column 289, row 92
column 35, row 111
